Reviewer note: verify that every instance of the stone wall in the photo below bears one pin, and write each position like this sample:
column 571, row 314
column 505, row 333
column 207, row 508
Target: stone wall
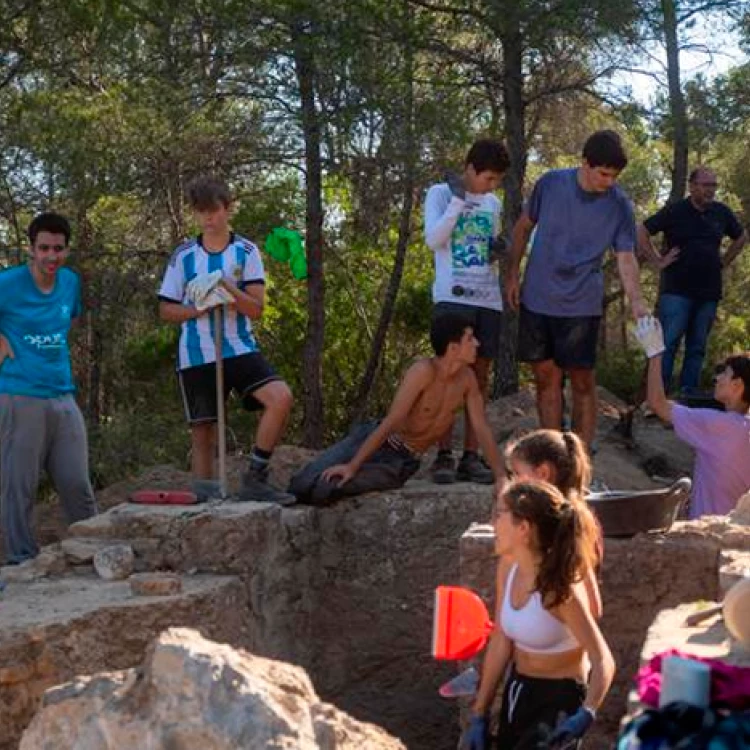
column 193, row 694
column 639, row 577
column 345, row 592
column 51, row 631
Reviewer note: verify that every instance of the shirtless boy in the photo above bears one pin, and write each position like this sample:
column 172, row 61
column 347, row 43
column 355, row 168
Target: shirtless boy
column 382, row 456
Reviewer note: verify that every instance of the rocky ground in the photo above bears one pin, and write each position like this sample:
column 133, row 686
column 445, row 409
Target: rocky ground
column 651, row 458
column 345, row 592
column 194, row 694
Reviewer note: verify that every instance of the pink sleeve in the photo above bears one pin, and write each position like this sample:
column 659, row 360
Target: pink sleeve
column 695, row 426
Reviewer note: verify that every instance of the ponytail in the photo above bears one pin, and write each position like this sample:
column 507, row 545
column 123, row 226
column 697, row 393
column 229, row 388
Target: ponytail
column 564, row 537
column 579, row 475
column 564, row 452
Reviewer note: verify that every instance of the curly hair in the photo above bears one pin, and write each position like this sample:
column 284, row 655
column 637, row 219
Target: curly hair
column 564, row 536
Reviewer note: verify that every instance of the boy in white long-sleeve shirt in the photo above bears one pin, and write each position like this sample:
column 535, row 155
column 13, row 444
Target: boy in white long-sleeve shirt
column 462, row 222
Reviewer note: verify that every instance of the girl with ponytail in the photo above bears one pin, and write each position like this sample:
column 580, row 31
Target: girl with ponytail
column 561, row 459
column 561, row 664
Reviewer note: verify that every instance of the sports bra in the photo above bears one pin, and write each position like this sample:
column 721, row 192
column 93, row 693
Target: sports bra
column 532, row 628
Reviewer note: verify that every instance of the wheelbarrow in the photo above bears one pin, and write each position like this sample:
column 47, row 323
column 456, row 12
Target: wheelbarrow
column 624, row 513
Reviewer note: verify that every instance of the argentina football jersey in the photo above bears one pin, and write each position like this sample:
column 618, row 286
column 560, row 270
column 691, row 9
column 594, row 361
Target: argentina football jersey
column 240, row 261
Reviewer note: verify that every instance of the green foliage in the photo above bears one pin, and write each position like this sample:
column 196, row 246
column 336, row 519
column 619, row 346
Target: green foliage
column 108, row 109
column 621, row 372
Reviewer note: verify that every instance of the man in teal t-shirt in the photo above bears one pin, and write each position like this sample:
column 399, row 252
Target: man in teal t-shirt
column 41, row 425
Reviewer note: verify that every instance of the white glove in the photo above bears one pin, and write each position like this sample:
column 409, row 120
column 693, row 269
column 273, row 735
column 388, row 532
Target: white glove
column 206, row 291
column 650, row 335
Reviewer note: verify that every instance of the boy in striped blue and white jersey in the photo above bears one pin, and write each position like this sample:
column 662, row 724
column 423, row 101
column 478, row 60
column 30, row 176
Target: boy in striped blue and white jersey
column 241, row 291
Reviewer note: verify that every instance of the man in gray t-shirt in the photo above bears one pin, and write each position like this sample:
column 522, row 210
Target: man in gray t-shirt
column 578, row 215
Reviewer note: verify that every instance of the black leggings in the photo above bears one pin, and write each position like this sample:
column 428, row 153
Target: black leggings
column 531, row 708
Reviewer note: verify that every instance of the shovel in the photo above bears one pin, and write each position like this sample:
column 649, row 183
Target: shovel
column 220, row 407
column 461, row 625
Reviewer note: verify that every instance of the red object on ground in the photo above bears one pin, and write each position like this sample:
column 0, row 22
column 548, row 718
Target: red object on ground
column 164, row 497
column 461, row 625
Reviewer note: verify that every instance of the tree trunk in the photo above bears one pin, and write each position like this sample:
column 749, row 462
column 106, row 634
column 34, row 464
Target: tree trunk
column 506, row 364
column 312, row 357
column 676, row 102
column 94, row 339
column 404, row 232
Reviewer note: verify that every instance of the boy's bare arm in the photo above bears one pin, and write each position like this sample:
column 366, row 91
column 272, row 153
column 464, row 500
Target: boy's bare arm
column 249, row 301
column 655, row 395
column 176, row 312
column 417, row 378
column 475, row 407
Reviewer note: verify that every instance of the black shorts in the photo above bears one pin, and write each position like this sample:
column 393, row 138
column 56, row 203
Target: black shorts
column 243, row 375
column 485, row 322
column 570, row 342
column 531, row 708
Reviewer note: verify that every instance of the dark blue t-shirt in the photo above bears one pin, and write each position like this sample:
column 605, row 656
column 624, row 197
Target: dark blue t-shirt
column 698, row 234
column 36, row 326
column 574, row 229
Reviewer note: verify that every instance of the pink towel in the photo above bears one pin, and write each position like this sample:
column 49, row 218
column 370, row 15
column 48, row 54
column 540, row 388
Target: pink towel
column 730, row 686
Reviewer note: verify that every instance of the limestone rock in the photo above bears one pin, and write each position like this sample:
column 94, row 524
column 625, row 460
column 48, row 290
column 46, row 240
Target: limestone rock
column 115, row 562
column 50, row 561
column 734, row 565
column 194, row 694
column 54, row 629
column 155, row 584
column 741, row 512
column 82, row 551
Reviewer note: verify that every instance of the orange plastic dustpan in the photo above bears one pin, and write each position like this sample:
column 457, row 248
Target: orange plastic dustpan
column 461, row 624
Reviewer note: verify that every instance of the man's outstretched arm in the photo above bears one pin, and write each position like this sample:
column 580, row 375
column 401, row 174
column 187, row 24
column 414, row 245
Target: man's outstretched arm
column 651, row 338
column 655, row 395
column 627, row 267
column 522, row 230
column 417, row 377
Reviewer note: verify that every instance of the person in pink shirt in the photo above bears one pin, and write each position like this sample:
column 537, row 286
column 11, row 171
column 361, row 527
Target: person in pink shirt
column 721, row 439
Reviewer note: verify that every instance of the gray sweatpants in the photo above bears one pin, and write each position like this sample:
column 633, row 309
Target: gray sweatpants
column 36, row 434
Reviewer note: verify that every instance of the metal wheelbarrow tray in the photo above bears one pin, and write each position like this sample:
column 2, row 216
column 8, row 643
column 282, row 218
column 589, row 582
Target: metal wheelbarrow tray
column 624, row 513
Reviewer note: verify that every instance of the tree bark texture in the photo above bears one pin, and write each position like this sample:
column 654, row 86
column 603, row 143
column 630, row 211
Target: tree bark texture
column 677, row 108
column 506, row 364
column 402, row 243
column 312, row 358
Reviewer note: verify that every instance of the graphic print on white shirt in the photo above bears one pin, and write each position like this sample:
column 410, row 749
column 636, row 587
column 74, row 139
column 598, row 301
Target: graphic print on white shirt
column 240, row 261
column 460, row 235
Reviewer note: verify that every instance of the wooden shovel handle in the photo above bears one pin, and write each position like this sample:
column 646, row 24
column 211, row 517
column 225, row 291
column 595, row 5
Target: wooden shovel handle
column 698, row 617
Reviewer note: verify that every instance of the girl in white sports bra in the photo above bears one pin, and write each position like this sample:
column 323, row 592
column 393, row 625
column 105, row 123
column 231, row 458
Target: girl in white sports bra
column 546, row 543
column 559, row 458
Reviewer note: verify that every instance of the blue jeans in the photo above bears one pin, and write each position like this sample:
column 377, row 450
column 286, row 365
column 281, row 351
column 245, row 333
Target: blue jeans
column 692, row 318
column 386, row 469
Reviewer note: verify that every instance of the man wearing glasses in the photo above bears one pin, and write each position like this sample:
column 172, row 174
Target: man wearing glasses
column 694, row 229
column 41, row 426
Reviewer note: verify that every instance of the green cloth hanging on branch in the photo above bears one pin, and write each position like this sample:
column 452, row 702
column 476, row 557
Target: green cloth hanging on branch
column 285, row 245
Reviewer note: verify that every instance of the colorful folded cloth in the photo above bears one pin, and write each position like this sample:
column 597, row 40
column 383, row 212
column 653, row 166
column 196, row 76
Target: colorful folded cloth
column 730, row 685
